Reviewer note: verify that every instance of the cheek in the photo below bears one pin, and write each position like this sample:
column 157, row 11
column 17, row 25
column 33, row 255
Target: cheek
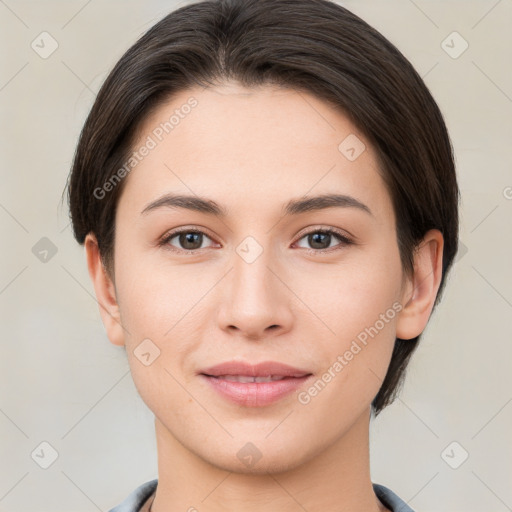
column 350, row 298
column 157, row 307
column 358, row 307
column 162, row 308
column 154, row 297
column 356, row 357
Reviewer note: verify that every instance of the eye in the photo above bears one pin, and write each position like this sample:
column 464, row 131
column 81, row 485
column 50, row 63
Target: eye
column 321, row 239
column 186, row 238
column 190, row 240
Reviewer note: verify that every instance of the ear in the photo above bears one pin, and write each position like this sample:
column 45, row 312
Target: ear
column 421, row 289
column 105, row 292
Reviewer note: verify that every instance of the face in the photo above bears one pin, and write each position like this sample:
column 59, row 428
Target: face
column 318, row 288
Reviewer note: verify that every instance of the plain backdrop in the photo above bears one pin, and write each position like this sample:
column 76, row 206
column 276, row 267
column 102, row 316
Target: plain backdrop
column 67, row 400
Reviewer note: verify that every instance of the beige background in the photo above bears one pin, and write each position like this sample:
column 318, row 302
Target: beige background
column 63, row 383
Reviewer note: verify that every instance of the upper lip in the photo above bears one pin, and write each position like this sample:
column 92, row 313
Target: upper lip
column 262, row 369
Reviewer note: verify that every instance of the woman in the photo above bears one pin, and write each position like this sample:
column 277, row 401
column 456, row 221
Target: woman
column 267, row 197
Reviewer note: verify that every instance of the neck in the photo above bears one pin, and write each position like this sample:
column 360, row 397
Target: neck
column 337, row 479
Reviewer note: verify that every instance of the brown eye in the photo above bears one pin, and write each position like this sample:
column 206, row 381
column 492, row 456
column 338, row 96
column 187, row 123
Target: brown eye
column 186, row 240
column 321, row 239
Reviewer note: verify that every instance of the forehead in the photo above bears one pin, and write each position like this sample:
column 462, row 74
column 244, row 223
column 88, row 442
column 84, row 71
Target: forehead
column 267, row 144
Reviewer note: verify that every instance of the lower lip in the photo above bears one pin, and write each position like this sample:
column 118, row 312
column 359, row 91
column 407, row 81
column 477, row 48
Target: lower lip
column 255, row 394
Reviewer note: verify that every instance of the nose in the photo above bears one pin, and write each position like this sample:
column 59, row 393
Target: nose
column 255, row 301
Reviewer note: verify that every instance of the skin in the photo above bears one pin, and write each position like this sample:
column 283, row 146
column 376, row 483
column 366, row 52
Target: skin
column 251, row 151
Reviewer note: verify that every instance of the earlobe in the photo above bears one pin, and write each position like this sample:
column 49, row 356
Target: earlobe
column 105, row 291
column 421, row 292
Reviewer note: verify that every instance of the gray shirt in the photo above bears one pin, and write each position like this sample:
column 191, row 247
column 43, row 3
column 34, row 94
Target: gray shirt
column 139, row 496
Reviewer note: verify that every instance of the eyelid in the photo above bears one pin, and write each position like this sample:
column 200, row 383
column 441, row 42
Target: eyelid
column 164, row 240
column 344, row 237
column 323, row 228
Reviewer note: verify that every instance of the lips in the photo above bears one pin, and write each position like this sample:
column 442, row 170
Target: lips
column 254, row 385
column 264, row 369
column 246, row 378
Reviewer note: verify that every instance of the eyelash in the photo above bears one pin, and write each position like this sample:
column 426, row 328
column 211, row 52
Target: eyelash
column 345, row 241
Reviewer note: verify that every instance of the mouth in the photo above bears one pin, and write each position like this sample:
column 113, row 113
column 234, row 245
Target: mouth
column 254, row 385
column 248, row 378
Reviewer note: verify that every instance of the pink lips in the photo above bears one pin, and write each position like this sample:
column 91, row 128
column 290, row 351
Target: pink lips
column 284, row 379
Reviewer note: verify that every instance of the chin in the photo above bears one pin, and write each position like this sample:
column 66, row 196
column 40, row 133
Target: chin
column 267, row 464
column 257, row 458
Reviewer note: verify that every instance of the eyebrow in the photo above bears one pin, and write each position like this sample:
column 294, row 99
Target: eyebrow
column 293, row 207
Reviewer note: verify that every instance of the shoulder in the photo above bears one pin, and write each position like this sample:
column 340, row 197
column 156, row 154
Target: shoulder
column 390, row 499
column 134, row 501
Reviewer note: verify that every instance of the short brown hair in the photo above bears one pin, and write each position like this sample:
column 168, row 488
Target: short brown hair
column 311, row 45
